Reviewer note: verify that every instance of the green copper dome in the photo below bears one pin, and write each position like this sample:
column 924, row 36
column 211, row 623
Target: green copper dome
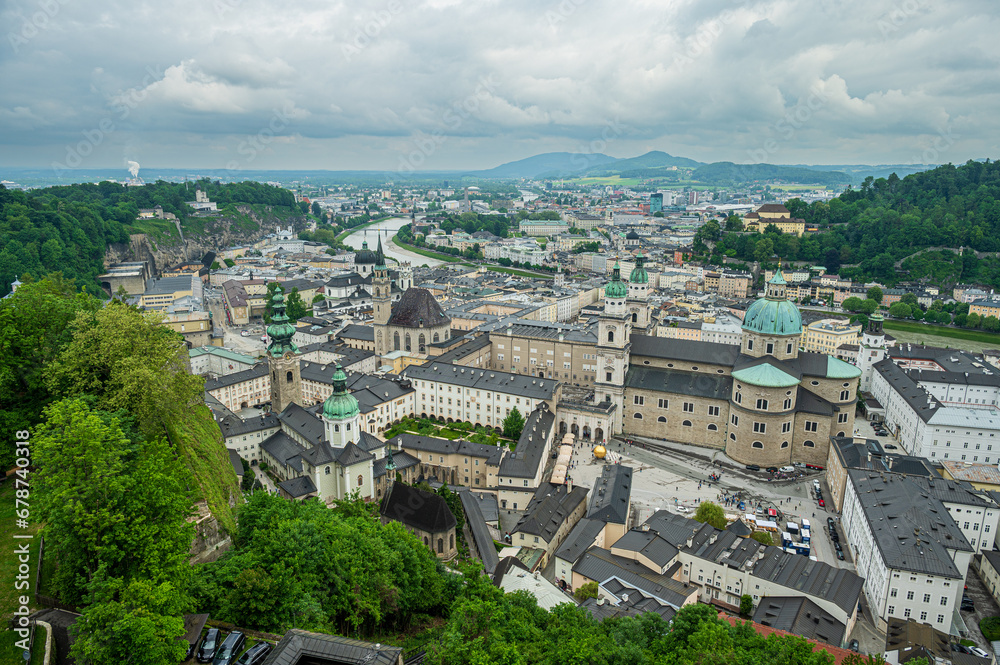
column 616, row 287
column 773, row 314
column 341, row 405
column 280, row 331
column 639, row 274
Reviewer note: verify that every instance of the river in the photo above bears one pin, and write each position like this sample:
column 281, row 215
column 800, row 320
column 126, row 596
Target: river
column 387, row 229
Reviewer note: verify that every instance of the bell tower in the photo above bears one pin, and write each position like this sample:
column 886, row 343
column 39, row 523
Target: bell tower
column 283, row 357
column 381, row 302
column 613, row 343
column 638, row 296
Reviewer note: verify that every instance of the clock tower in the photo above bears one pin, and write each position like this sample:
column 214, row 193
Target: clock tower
column 283, row 357
column 613, row 345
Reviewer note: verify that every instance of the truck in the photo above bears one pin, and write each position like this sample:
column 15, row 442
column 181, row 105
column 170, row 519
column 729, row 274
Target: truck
column 786, row 539
column 806, row 535
column 805, row 523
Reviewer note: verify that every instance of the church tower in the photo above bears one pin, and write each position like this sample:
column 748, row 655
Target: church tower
column 341, row 416
column 613, row 344
column 638, row 296
column 871, row 351
column 405, row 276
column 381, row 302
column 282, row 357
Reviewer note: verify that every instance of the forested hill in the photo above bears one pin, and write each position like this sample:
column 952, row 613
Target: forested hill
column 69, row 228
column 871, row 228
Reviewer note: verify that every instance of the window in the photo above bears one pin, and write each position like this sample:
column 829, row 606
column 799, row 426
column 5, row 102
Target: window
column 787, row 404
column 891, row 609
column 327, row 471
column 940, row 618
column 756, row 444
column 608, row 377
column 788, row 348
column 739, row 398
column 909, row 595
column 784, row 444
column 786, row 427
column 713, row 410
column 770, row 347
column 688, row 407
column 812, row 426
column 906, row 613
column 760, row 428
column 611, row 336
column 808, row 444
column 923, row 616
column 360, row 481
column 637, row 416
column 845, row 395
column 638, row 400
column 944, row 600
column 713, row 427
column 686, row 423
column 892, row 592
column 288, row 377
column 762, row 404
column 662, row 403
column 927, row 596
column 661, row 419
column 750, row 344
column 735, row 419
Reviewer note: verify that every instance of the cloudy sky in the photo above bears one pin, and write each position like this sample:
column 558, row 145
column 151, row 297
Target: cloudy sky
column 440, row 84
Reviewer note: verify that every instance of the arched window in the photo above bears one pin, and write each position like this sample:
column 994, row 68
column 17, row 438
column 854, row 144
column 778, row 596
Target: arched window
column 808, row 444
column 395, row 341
column 407, row 341
column 427, row 543
column 686, row 423
column 635, row 317
column 336, row 428
column 436, row 338
column 788, row 404
column 661, row 419
column 421, row 343
column 845, row 395
column 840, row 434
column 440, row 545
column 784, row 444
column 611, row 335
column 637, row 416
column 288, row 377
column 451, row 541
column 756, row 444
column 327, row 471
column 739, row 398
column 274, row 375
column 762, row 404
column 732, row 436
column 361, row 481
column 713, row 428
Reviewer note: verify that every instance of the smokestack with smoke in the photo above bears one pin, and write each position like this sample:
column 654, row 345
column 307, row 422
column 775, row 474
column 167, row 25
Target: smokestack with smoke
column 133, row 168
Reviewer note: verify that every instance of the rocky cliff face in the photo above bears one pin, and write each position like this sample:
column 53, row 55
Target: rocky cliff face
column 219, row 233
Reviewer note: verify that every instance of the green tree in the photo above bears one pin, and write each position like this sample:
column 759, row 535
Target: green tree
column 216, row 266
column 763, row 250
column 295, row 308
column 762, row 537
column 711, row 513
column 734, row 224
column 109, row 502
column 229, row 263
column 899, row 310
column 513, row 424
column 869, row 306
column 127, row 360
column 875, row 293
column 831, row 260
column 991, row 323
column 852, row 304
column 746, row 605
column 588, row 590
column 135, row 622
column 317, row 210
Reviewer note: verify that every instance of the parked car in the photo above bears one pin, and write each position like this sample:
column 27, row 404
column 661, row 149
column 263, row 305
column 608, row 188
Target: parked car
column 255, row 655
column 831, row 523
column 822, row 503
column 209, row 645
column 753, row 467
column 230, row 648
column 787, row 469
column 772, row 469
column 853, row 646
column 837, row 546
column 889, row 446
column 840, row 555
column 976, row 651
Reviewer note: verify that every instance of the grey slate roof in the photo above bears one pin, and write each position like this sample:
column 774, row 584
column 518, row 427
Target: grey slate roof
column 800, row 616
column 234, row 459
column 684, row 349
column 629, row 602
column 871, row 456
column 284, row 449
column 431, row 444
column 235, row 426
column 531, row 446
column 304, row 423
column 353, row 331
column 549, row 509
column 912, row 529
column 918, row 399
column 352, row 454
column 257, row 371
column 417, row 309
column 609, row 499
column 711, row 386
column 300, row 646
column 488, row 506
column 740, row 528
column 465, row 348
column 480, row 532
column 600, row 564
column 402, row 461
column 505, row 382
column 300, row 486
column 649, row 544
column 580, row 539
column 414, row 507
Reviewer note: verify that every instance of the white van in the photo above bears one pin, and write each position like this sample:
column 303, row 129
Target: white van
column 787, row 469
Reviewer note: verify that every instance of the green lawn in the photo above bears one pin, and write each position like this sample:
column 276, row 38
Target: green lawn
column 944, row 331
column 8, row 571
column 431, row 254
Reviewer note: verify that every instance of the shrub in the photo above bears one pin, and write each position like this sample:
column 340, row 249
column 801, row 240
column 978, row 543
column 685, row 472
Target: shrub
column 990, row 626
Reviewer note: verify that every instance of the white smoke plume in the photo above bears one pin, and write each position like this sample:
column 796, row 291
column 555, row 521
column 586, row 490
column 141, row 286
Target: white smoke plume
column 133, row 168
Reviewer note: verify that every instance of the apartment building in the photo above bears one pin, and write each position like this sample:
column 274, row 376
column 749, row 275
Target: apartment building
column 453, row 462
column 827, row 335
column 563, row 352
